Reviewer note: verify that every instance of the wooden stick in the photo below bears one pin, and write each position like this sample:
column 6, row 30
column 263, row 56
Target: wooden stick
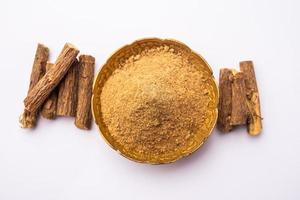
column 254, row 123
column 49, row 107
column 44, row 87
column 85, row 84
column 28, row 119
column 225, row 104
column 67, row 92
column 239, row 112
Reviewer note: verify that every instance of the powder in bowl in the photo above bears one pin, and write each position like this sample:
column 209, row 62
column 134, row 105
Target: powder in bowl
column 158, row 105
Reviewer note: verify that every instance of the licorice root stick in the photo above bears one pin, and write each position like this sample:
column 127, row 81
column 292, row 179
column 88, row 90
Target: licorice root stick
column 67, row 92
column 28, row 118
column 255, row 119
column 225, row 103
column 85, row 85
column 51, row 79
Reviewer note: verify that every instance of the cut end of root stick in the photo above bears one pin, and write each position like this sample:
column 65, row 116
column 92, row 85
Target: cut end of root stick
column 27, row 120
column 71, row 46
column 87, row 58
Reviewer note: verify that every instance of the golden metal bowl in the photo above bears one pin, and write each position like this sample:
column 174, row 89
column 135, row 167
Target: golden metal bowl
column 120, row 56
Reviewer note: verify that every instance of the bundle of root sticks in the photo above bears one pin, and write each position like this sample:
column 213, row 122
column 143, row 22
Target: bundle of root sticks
column 239, row 99
column 63, row 88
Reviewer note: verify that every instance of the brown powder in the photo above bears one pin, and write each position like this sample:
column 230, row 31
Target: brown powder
column 155, row 103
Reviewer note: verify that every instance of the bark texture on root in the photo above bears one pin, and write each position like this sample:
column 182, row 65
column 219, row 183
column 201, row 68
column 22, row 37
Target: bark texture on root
column 49, row 108
column 239, row 112
column 225, row 102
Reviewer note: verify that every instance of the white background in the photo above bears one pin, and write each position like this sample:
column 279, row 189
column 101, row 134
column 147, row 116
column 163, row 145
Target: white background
column 57, row 161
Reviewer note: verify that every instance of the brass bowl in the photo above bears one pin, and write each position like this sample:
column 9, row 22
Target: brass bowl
column 133, row 49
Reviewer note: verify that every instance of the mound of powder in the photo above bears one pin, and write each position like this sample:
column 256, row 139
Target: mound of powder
column 155, row 103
